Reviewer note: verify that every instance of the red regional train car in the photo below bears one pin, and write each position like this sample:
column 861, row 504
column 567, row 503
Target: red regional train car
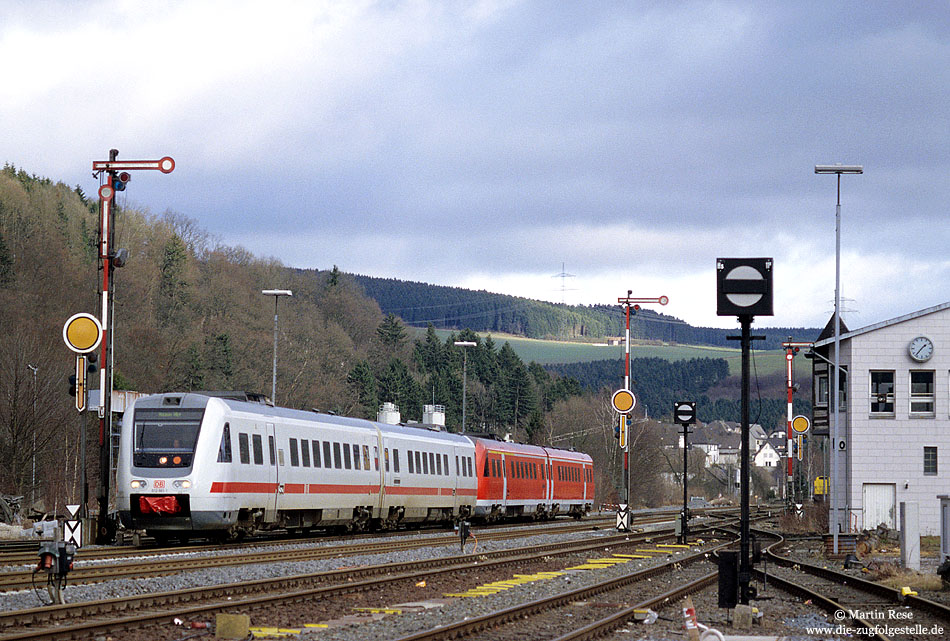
column 515, row 479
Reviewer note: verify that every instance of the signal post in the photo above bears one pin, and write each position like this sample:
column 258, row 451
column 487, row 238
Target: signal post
column 113, row 176
column 791, row 348
column 624, row 401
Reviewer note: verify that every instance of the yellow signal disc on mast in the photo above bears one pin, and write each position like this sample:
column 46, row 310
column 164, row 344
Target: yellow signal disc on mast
column 623, row 400
column 82, row 332
column 800, row 424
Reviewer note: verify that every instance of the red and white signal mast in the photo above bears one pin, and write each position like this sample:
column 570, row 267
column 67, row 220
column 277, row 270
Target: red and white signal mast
column 113, row 176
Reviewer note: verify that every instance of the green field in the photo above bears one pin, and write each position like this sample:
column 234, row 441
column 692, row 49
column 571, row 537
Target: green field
column 548, row 352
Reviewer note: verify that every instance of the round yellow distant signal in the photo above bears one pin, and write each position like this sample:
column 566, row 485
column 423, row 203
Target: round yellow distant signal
column 800, row 424
column 82, row 332
column 623, row 400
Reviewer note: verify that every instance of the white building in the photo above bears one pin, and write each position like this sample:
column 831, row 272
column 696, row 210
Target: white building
column 894, row 416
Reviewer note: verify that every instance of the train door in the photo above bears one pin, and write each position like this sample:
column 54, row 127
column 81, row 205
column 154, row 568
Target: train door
column 457, row 480
column 272, row 473
column 505, row 485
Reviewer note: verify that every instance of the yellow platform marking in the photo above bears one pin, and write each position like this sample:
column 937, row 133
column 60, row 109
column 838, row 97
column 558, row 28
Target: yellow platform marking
column 315, row 625
column 611, row 561
column 258, row 632
column 671, row 545
column 635, row 556
column 379, row 610
column 653, row 551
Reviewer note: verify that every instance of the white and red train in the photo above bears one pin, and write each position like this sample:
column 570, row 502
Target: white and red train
column 197, row 464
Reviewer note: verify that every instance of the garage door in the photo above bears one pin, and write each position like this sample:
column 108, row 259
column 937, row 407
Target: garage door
column 880, row 505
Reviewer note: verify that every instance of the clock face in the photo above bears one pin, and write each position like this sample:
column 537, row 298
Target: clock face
column 921, row 349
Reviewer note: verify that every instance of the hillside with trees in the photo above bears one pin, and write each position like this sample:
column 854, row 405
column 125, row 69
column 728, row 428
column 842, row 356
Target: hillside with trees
column 421, row 304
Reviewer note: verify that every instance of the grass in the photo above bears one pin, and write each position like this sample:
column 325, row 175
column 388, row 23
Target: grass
column 547, row 352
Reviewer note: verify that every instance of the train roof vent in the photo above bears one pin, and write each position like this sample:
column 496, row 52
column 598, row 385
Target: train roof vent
column 172, row 400
column 237, row 395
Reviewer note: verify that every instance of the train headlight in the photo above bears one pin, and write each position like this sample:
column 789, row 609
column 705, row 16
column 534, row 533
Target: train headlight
column 138, row 484
column 182, row 483
column 163, row 460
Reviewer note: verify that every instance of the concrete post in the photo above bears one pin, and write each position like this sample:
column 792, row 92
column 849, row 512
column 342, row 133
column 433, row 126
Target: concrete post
column 910, row 536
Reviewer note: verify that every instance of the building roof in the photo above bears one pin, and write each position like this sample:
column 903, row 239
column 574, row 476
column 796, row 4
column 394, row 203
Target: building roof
column 826, row 340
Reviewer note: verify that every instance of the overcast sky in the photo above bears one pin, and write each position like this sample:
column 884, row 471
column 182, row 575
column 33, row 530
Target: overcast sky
column 485, row 144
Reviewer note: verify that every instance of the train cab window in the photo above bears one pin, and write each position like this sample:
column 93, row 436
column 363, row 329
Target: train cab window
column 346, row 455
column 243, row 448
column 356, row 456
column 294, row 453
column 271, row 449
column 386, row 457
column 258, row 444
column 224, row 449
column 326, row 455
column 366, row 457
column 316, row 452
column 305, row 452
column 337, row 459
column 396, row 461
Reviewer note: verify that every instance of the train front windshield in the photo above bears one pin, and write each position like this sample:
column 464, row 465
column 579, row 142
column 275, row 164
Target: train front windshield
column 165, row 438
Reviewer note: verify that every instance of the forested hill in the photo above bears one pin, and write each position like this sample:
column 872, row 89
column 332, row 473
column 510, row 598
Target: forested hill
column 419, row 304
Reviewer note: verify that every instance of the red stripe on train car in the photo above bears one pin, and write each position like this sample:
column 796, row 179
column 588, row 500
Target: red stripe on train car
column 398, row 490
column 238, row 487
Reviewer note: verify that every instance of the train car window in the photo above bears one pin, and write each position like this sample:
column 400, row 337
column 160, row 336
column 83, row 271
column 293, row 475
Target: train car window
column 485, row 471
column 316, row 452
column 438, row 465
column 386, row 457
column 366, row 457
column 418, row 463
column 243, row 448
column 513, row 474
column 431, row 463
column 326, row 455
column 469, row 465
column 294, row 453
column 411, row 466
column 346, row 455
column 542, row 470
column 258, row 443
column 337, row 459
column 376, row 458
column 457, row 465
column 396, row 461
column 271, row 449
column 425, row 463
column 356, row 456
column 305, row 452
column 224, row 449
column 280, row 457
column 445, row 465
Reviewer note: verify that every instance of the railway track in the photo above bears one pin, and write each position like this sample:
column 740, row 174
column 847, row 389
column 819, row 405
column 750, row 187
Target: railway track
column 144, row 567
column 858, row 604
column 84, row 620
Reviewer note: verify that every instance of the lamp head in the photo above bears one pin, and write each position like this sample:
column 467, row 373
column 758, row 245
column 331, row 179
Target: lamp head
column 839, row 169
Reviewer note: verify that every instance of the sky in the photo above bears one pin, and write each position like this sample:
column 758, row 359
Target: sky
column 496, row 144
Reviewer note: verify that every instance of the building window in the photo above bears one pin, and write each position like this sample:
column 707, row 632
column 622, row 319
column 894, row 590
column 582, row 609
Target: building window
column 821, row 390
column 930, row 461
column 882, row 392
column 922, row 392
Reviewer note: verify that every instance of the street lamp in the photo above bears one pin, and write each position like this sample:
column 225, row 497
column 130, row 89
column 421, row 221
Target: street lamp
column 276, row 293
column 34, row 369
column 465, row 345
column 838, row 169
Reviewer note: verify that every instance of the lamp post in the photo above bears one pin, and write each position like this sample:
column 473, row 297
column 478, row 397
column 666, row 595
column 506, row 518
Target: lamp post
column 465, row 345
column 34, row 369
column 834, row 519
column 276, row 293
